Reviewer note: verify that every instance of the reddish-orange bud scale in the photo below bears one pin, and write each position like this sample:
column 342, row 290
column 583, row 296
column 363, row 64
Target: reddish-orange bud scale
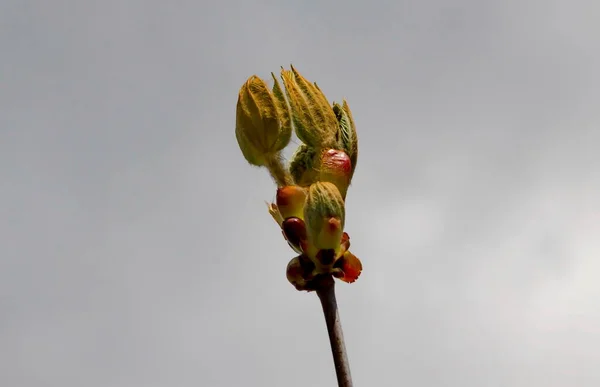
column 345, row 241
column 351, row 266
column 294, row 271
column 334, row 224
column 336, row 167
column 283, row 195
column 290, row 200
column 338, row 160
column 294, row 231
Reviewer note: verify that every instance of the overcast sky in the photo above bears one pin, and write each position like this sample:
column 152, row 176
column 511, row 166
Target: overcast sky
column 135, row 245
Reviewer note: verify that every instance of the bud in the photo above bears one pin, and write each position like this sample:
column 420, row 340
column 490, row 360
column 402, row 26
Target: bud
column 263, row 122
column 304, row 166
column 350, row 266
column 348, row 140
column 294, row 231
column 324, row 214
column 299, row 272
column 336, row 168
column 314, row 120
column 294, row 274
column 290, row 201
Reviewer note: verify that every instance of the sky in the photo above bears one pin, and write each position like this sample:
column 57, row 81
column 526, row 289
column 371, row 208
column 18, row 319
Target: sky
column 136, row 248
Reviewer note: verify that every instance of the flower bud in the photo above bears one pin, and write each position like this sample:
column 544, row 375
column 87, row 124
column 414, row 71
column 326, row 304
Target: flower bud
column 324, row 214
column 299, row 272
column 304, row 166
column 314, row 120
column 294, row 231
column 336, row 168
column 290, row 201
column 348, row 140
column 263, row 121
column 294, row 274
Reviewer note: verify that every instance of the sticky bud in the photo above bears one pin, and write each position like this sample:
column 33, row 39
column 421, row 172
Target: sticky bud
column 263, row 121
column 304, row 166
column 294, row 273
column 347, row 137
column 299, row 272
column 294, row 232
column 315, row 122
column 336, row 168
column 324, row 214
column 290, row 201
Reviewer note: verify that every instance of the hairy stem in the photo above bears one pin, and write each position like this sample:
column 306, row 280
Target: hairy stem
column 279, row 173
column 326, row 293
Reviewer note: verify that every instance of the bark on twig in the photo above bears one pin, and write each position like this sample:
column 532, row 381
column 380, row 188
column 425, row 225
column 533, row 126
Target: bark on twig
column 326, row 293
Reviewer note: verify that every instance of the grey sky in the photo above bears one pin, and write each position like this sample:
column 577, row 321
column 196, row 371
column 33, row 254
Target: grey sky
column 136, row 249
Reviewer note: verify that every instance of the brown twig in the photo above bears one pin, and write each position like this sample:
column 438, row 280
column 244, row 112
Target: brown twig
column 326, row 293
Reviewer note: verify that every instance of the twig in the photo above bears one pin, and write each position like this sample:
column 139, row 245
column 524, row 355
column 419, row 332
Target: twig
column 326, row 293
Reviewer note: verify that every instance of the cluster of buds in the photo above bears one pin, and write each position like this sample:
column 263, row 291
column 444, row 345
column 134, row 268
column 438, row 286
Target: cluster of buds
column 311, row 190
